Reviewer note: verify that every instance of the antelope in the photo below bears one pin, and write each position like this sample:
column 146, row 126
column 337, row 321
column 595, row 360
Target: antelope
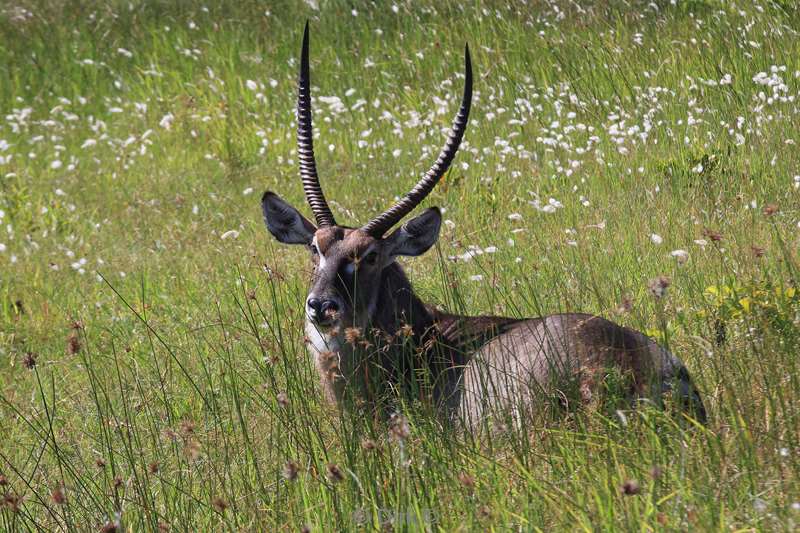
column 368, row 331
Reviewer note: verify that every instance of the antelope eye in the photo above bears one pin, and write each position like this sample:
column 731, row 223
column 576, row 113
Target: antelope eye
column 371, row 258
column 314, row 249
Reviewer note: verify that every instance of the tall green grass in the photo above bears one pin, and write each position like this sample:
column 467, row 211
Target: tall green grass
column 163, row 382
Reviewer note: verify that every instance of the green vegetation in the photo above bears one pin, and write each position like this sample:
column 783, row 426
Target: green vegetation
column 153, row 374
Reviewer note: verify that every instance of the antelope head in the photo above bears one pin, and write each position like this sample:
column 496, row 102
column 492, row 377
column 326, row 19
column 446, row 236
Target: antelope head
column 349, row 262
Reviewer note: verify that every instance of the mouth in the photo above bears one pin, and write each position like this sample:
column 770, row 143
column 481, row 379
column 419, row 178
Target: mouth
column 328, row 320
column 323, row 324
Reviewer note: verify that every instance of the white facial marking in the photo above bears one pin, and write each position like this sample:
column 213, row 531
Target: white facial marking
column 319, row 252
column 321, row 342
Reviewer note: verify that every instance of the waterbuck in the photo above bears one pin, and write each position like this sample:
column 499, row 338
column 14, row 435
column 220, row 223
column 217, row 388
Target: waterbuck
column 368, row 332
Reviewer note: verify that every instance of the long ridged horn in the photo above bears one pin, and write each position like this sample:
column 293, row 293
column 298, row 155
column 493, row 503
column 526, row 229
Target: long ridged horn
column 381, row 224
column 305, row 143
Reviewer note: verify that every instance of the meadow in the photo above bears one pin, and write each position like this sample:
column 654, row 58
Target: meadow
column 637, row 160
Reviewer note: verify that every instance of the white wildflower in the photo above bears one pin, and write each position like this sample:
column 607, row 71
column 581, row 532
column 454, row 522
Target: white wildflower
column 656, row 239
column 166, row 121
column 230, row 234
column 680, row 255
column 253, row 86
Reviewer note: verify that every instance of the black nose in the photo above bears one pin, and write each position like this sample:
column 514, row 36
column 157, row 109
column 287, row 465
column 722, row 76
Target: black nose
column 315, row 304
column 329, row 305
column 319, row 307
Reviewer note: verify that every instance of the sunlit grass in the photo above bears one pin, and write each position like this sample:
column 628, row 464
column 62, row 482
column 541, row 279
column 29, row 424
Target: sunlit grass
column 154, row 373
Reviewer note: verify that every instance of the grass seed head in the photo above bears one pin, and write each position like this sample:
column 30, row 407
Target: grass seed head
column 658, row 286
column 73, row 344
column 405, row 331
column 399, row 429
column 631, row 487
column 713, row 236
column 29, row 361
column 58, row 496
column 625, row 306
column 770, row 209
column 370, row 445
column 187, row 428
column 656, row 472
column 466, row 480
column 11, row 502
column 219, row 504
column 352, row 335
column 334, row 473
column 110, row 527
column 290, row 470
column 283, row 399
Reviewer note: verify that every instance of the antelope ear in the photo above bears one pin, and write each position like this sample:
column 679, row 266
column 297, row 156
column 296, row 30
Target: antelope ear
column 285, row 222
column 416, row 236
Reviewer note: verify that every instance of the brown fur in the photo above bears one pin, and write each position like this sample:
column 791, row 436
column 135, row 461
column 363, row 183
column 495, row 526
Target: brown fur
column 383, row 339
